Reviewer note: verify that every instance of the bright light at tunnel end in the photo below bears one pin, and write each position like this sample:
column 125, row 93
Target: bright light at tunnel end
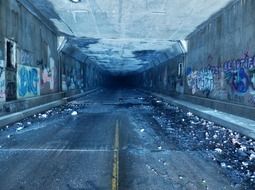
column 75, row 1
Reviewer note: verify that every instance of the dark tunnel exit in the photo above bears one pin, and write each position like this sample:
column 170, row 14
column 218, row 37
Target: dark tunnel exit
column 120, row 81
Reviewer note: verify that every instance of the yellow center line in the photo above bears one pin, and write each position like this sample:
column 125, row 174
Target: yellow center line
column 115, row 171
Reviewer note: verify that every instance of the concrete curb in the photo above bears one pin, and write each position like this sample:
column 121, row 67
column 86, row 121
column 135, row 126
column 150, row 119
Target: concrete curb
column 15, row 117
column 71, row 98
column 236, row 123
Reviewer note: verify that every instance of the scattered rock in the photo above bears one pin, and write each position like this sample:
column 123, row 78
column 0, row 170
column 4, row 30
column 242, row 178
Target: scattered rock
column 223, row 165
column 44, row 116
column 218, row 150
column 245, row 164
column 49, row 111
column 19, row 128
column 252, row 156
column 9, row 136
column 189, row 114
column 74, row 113
column 243, row 148
column 215, row 136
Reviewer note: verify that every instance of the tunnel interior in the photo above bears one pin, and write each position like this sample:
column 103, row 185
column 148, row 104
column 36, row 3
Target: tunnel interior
column 107, row 34
column 127, row 94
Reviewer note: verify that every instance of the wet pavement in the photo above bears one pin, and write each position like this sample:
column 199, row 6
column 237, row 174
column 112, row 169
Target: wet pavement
column 123, row 135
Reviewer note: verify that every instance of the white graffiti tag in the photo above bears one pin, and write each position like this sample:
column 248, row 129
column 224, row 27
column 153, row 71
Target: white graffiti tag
column 201, row 81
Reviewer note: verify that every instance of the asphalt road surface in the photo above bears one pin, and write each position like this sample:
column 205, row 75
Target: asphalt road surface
column 112, row 139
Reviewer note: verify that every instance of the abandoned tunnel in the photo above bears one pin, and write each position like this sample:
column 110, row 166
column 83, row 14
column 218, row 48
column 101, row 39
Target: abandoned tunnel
column 128, row 95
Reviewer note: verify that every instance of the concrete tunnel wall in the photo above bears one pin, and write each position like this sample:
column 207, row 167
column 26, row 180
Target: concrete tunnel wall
column 30, row 64
column 221, row 57
column 78, row 75
column 219, row 68
column 164, row 78
column 34, row 51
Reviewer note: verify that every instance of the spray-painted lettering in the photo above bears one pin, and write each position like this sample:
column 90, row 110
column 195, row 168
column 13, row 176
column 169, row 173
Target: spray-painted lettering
column 202, row 81
column 240, row 74
column 28, row 81
column 48, row 74
column 2, row 82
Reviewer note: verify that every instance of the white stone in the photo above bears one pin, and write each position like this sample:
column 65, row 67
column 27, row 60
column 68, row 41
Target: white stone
column 252, row 156
column 19, row 128
column 74, row 113
column 218, row 150
column 189, row 114
column 44, row 115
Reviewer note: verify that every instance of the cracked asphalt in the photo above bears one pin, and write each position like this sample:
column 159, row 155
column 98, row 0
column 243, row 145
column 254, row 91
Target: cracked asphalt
column 160, row 147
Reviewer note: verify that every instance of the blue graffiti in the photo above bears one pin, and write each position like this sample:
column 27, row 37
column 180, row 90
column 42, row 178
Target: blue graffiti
column 28, row 81
column 188, row 71
column 239, row 80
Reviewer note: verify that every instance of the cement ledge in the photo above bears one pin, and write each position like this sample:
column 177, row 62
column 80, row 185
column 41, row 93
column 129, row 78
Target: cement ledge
column 14, row 117
column 236, row 123
column 71, row 98
column 17, row 116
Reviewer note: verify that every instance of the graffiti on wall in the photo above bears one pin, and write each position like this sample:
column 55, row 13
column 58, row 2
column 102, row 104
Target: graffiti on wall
column 72, row 77
column 200, row 80
column 233, row 81
column 2, row 81
column 240, row 78
column 253, row 79
column 26, row 58
column 48, row 74
column 2, row 89
column 28, row 81
column 240, row 74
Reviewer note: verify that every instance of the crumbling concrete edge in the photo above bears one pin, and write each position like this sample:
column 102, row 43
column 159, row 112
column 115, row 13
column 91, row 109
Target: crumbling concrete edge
column 239, row 124
column 15, row 117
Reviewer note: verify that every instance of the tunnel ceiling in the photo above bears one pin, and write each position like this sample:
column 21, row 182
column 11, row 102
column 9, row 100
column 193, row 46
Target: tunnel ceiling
column 128, row 35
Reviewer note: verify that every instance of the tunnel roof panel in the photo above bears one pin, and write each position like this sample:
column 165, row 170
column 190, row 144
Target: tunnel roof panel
column 115, row 29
